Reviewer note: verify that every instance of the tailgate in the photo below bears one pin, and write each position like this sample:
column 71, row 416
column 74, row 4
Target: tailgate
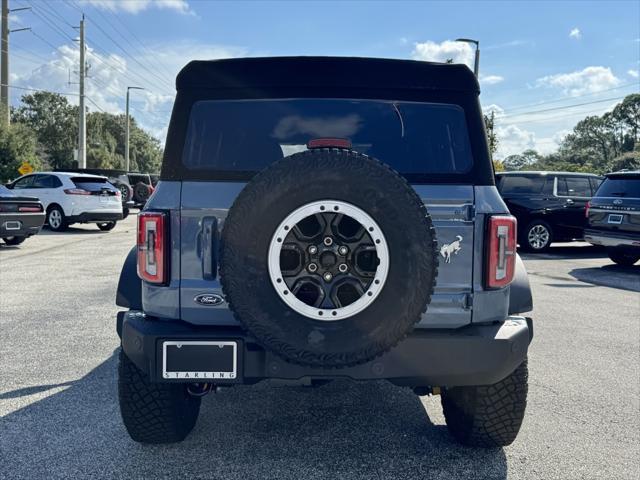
column 615, row 214
column 451, row 208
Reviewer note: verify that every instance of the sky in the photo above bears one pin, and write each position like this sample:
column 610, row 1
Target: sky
column 544, row 65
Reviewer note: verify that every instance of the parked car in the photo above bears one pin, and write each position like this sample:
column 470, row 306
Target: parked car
column 614, row 217
column 549, row 206
column 281, row 243
column 20, row 216
column 73, row 198
column 126, row 182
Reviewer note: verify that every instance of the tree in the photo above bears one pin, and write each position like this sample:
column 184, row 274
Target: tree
column 492, row 137
column 626, row 161
column 597, row 144
column 54, row 123
column 525, row 159
column 17, row 145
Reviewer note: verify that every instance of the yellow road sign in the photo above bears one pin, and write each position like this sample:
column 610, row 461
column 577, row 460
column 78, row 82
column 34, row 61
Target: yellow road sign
column 25, row 168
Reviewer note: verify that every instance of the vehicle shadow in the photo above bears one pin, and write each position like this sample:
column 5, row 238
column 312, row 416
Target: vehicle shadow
column 615, row 276
column 340, row 430
column 566, row 251
column 89, row 229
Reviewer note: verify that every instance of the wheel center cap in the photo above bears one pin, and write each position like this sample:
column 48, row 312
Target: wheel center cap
column 328, row 259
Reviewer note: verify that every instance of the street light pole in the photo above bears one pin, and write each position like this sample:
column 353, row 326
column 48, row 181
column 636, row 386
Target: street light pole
column 476, row 63
column 126, row 129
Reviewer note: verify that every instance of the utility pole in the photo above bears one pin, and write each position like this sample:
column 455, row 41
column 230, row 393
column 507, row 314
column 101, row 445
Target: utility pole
column 82, row 127
column 4, row 60
column 4, row 76
column 126, row 129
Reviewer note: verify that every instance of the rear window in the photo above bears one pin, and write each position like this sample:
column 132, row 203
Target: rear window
column 620, row 187
column 92, row 184
column 247, row 135
column 525, row 184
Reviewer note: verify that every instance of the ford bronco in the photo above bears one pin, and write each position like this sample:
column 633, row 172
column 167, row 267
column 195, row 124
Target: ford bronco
column 321, row 218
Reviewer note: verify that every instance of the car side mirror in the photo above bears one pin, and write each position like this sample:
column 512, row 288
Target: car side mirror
column 9, row 186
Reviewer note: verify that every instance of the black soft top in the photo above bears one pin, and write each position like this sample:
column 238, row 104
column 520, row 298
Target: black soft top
column 322, row 72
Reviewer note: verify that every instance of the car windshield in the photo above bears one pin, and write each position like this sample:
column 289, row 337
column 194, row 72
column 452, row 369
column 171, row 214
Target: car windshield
column 620, row 187
column 248, row 135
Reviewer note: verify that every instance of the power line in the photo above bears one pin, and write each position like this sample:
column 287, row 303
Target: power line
column 549, row 118
column 95, row 104
column 167, row 79
column 146, row 68
column 39, row 90
column 570, row 98
column 534, row 112
column 51, row 24
column 55, row 49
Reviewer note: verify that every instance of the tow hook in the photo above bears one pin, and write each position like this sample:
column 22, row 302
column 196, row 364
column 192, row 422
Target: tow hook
column 201, row 389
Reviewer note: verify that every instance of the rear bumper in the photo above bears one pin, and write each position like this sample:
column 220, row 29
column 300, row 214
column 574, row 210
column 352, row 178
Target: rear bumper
column 89, row 217
column 472, row 355
column 27, row 224
column 612, row 239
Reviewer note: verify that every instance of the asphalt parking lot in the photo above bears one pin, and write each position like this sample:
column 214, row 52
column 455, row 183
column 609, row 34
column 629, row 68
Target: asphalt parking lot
column 59, row 416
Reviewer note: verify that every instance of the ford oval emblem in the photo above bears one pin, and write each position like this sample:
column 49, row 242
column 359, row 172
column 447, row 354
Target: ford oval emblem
column 209, row 299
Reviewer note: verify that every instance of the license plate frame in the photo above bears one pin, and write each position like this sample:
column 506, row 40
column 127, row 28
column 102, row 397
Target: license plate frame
column 615, row 218
column 192, row 360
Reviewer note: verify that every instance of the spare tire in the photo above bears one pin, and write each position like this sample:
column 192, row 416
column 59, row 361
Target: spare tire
column 328, row 257
column 141, row 192
column 125, row 190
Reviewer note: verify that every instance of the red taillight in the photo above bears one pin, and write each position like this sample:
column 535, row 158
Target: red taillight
column 501, row 253
column 152, row 264
column 586, row 210
column 30, row 209
column 76, row 191
column 118, row 194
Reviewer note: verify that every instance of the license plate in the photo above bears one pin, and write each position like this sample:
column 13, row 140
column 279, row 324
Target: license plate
column 617, row 219
column 199, row 361
column 104, row 199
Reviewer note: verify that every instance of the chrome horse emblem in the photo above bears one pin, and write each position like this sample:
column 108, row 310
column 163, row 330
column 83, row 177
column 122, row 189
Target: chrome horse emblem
column 452, row 248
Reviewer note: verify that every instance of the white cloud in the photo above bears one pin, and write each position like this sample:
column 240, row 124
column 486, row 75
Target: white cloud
column 136, row 6
column 459, row 52
column 491, row 79
column 633, row 73
column 589, row 80
column 513, row 139
column 575, row 33
column 497, row 110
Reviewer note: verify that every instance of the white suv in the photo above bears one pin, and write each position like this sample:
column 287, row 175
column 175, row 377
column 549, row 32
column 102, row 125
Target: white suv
column 73, row 198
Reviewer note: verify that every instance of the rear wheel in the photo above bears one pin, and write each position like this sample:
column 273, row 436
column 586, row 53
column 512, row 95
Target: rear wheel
column 105, row 227
column 623, row 258
column 537, row 236
column 487, row 416
column 14, row 240
column 154, row 412
column 56, row 219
